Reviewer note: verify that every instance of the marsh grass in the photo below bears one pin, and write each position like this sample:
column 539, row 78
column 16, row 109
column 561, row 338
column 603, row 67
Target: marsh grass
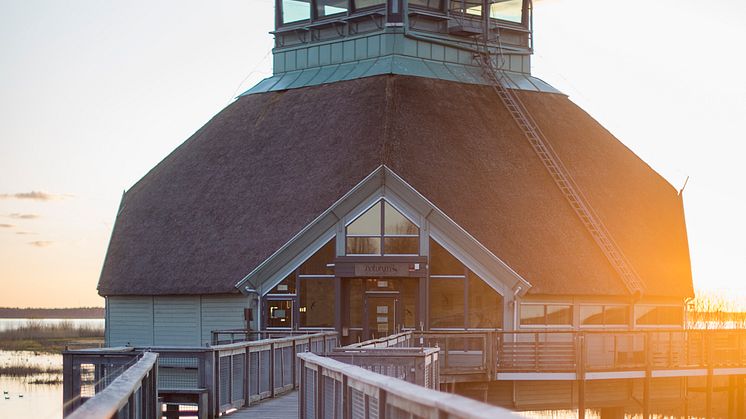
column 36, row 336
column 27, row 370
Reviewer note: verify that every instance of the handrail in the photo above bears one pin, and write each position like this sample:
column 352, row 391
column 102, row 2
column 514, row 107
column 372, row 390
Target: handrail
column 388, row 391
column 115, row 396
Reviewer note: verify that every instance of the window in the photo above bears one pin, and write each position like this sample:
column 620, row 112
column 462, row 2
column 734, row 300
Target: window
column 430, row 4
column 458, row 297
column 604, row 315
column 316, row 306
column 510, row 10
column 330, row 7
column 485, row 304
column 295, row 10
column 546, row 314
column 280, row 313
column 382, row 230
column 287, row 286
column 659, row 315
column 469, row 7
column 318, row 263
column 447, row 302
column 362, row 4
column 442, row 262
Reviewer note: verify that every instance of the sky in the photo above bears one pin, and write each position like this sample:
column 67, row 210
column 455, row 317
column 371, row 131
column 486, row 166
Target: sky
column 94, row 93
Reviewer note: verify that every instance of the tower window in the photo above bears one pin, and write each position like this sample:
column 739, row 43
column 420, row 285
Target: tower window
column 295, row 10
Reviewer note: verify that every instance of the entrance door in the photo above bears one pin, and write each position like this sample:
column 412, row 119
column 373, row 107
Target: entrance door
column 382, row 314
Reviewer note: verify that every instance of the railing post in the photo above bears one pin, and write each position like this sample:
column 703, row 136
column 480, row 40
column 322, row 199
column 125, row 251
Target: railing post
column 580, row 374
column 246, row 375
column 208, row 380
column 67, row 384
column 272, row 370
column 646, row 380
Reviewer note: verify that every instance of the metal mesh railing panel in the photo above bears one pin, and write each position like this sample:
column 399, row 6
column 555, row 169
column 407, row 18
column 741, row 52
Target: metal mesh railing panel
column 373, row 407
column 264, row 371
column 358, row 404
column 329, row 398
column 178, row 372
column 225, row 379
column 277, row 368
column 254, row 374
column 287, row 365
column 238, row 374
column 310, row 394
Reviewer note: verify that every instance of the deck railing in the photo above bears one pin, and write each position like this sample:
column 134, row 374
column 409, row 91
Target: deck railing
column 414, row 365
column 215, row 378
column 132, row 394
column 332, row 389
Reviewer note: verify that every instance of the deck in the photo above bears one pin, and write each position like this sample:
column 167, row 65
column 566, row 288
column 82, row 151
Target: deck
column 283, row 407
column 260, row 378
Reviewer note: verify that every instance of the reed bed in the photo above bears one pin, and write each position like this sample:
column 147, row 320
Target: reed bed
column 27, row 370
column 36, row 336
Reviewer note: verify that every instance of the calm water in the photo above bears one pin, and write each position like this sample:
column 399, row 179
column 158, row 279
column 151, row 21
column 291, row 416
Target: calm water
column 20, row 398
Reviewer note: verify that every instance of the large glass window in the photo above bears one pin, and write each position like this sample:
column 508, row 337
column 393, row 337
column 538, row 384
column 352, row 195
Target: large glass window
column 510, row 10
column 546, row 314
column 295, row 10
column 430, row 4
column 361, row 4
column 648, row 315
column 330, row 7
column 318, row 264
column 442, row 262
column 446, row 302
column 316, row 307
column 603, row 315
column 382, row 230
column 485, row 304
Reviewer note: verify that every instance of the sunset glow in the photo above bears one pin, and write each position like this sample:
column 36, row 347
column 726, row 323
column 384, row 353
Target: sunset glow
column 95, row 94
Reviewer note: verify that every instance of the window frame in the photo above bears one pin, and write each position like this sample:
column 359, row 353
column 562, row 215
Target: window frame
column 382, row 235
column 681, row 308
column 604, row 307
column 545, row 325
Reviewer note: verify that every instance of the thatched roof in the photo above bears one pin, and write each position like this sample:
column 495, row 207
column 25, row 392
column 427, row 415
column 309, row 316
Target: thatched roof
column 269, row 163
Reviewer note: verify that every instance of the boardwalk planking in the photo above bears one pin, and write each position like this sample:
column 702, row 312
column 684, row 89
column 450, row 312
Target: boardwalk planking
column 283, row 407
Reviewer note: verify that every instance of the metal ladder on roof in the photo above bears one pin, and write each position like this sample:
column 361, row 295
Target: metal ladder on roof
column 554, row 165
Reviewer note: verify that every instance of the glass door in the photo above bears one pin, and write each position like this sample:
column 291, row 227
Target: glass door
column 382, row 315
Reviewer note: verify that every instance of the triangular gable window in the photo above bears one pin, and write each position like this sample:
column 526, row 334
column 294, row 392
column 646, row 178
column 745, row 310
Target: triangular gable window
column 382, row 230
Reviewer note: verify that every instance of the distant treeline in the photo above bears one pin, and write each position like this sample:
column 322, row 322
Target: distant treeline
column 52, row 313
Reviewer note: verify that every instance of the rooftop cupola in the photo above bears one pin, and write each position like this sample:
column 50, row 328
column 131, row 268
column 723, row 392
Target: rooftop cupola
column 323, row 41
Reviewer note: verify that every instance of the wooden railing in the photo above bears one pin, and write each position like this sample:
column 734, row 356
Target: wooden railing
column 414, row 365
column 332, row 389
column 133, row 394
column 215, row 378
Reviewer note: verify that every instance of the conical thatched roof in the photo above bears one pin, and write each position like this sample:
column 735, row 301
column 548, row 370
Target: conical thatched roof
column 268, row 164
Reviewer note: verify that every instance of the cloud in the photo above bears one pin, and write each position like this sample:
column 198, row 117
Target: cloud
column 40, row 243
column 34, row 196
column 6, row 225
column 19, row 216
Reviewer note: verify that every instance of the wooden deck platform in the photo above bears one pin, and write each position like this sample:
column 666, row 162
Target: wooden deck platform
column 283, row 407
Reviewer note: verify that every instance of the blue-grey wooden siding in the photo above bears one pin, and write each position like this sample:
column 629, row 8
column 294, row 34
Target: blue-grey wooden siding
column 171, row 320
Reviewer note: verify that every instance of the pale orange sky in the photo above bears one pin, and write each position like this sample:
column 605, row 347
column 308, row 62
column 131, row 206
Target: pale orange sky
column 94, row 93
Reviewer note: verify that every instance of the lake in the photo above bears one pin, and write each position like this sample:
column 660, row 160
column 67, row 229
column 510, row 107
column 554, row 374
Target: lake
column 22, row 398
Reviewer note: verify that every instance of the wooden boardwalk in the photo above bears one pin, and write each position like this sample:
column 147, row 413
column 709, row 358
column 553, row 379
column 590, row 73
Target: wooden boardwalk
column 283, row 407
